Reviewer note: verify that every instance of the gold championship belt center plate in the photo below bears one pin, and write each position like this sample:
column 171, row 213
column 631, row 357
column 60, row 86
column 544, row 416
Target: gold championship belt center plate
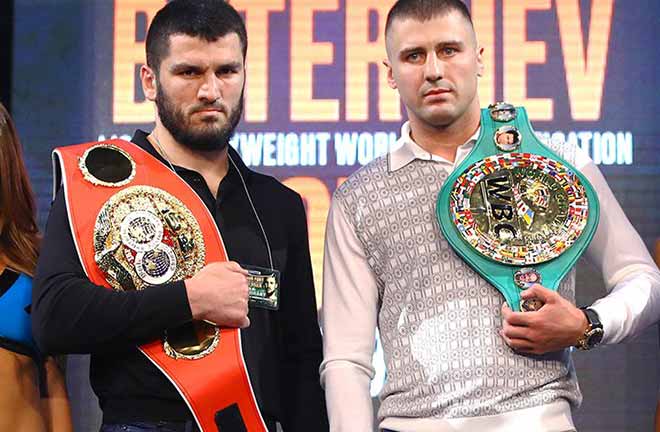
column 144, row 236
column 519, row 208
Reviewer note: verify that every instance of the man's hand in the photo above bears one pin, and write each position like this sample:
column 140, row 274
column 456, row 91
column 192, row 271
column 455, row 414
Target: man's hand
column 219, row 293
column 557, row 325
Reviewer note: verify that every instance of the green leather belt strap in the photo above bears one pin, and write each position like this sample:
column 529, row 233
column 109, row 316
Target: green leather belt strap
column 516, row 207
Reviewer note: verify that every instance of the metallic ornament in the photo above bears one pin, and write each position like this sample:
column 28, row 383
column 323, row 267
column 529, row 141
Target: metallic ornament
column 519, row 208
column 531, row 305
column 107, row 165
column 191, row 341
column 141, row 231
column 526, row 277
column 145, row 236
column 507, row 138
column 144, row 223
column 156, row 266
column 502, row 112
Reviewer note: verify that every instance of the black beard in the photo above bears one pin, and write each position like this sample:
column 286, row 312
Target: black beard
column 208, row 140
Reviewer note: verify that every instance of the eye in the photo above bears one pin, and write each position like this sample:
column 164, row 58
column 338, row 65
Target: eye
column 415, row 57
column 448, row 51
column 227, row 70
column 189, row 73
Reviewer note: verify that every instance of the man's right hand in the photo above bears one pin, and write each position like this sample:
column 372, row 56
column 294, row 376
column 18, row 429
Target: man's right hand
column 219, row 293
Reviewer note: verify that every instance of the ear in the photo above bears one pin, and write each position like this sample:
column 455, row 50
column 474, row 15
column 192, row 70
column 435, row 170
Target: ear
column 480, row 61
column 149, row 82
column 390, row 74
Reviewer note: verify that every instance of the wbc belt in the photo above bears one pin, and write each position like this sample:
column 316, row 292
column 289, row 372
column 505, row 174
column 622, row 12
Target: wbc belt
column 514, row 210
column 135, row 223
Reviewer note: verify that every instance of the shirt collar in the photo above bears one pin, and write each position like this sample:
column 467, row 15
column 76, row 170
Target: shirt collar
column 408, row 151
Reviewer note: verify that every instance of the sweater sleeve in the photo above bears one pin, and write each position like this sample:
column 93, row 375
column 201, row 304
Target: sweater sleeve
column 350, row 305
column 631, row 277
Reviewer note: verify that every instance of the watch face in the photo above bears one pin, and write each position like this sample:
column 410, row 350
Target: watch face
column 595, row 337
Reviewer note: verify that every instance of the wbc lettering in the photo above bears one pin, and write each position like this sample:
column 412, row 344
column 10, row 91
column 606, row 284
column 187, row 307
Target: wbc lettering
column 498, row 196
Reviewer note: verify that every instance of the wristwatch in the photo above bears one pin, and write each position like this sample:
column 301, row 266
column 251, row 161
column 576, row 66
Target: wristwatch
column 594, row 332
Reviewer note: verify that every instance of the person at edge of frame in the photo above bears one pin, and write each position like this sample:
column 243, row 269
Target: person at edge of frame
column 34, row 397
column 457, row 359
column 195, row 75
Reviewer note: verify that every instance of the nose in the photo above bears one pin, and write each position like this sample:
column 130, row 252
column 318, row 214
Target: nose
column 434, row 68
column 211, row 88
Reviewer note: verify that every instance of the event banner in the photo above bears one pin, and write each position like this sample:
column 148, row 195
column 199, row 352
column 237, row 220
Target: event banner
column 317, row 102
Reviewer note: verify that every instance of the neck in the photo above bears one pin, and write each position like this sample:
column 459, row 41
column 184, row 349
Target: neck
column 444, row 140
column 213, row 165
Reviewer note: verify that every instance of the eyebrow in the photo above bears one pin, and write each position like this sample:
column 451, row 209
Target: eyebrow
column 231, row 65
column 178, row 67
column 404, row 52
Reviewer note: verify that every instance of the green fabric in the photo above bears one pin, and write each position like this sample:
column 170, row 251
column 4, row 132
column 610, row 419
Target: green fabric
column 498, row 274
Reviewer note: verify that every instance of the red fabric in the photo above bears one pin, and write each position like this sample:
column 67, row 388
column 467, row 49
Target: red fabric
column 213, row 382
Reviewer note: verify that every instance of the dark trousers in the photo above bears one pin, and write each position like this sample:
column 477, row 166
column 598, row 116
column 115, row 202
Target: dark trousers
column 162, row 426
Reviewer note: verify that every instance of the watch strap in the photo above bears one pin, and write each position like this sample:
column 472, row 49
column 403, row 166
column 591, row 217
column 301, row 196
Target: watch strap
column 594, row 331
column 592, row 317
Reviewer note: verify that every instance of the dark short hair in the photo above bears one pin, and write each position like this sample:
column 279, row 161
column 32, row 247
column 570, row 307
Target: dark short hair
column 424, row 10
column 206, row 19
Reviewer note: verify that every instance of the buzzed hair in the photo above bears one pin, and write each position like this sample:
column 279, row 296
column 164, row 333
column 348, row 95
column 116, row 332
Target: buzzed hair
column 425, row 10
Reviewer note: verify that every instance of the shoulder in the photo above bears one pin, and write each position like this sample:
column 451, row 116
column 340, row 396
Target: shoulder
column 273, row 188
column 359, row 182
column 280, row 202
column 568, row 150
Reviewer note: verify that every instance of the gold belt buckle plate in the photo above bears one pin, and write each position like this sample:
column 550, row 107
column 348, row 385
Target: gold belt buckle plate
column 519, row 208
column 144, row 236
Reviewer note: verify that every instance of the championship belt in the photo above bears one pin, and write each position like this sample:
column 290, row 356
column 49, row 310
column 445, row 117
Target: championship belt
column 135, row 224
column 514, row 210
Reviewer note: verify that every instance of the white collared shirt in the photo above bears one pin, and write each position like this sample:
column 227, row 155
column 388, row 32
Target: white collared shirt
column 408, row 150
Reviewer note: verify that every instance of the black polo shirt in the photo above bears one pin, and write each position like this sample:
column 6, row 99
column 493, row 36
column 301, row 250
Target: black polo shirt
column 282, row 348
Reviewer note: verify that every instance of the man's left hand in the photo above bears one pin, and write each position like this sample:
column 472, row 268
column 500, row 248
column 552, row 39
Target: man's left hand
column 556, row 325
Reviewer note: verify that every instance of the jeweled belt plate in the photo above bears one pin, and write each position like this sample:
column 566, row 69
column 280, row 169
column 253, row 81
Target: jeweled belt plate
column 514, row 210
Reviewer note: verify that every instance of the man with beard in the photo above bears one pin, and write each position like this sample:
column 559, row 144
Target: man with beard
column 195, row 74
